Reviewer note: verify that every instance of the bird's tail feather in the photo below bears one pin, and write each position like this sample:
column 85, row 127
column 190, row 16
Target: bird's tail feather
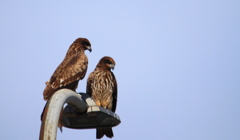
column 104, row 131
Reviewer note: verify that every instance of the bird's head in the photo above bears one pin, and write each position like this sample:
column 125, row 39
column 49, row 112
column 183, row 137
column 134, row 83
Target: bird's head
column 107, row 63
column 79, row 45
column 86, row 44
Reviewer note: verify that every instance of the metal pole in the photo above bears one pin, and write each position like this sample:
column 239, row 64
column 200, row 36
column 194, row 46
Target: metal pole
column 50, row 119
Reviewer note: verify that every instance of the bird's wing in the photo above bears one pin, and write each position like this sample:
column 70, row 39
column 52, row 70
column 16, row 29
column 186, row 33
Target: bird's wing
column 114, row 104
column 72, row 69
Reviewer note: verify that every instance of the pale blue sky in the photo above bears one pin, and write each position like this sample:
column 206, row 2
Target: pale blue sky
column 177, row 65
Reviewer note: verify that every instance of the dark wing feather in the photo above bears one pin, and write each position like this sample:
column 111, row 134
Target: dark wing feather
column 68, row 73
column 71, row 69
column 114, row 104
column 89, row 83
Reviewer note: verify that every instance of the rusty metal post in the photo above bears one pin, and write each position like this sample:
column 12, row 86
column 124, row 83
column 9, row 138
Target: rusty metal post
column 50, row 119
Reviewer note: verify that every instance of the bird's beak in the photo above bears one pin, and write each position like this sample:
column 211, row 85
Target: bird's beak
column 112, row 66
column 89, row 48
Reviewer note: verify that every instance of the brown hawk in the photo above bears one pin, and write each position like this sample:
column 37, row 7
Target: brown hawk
column 102, row 87
column 72, row 69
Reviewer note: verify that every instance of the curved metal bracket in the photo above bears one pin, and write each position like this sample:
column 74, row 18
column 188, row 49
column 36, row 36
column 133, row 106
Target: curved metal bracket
column 80, row 113
column 50, row 119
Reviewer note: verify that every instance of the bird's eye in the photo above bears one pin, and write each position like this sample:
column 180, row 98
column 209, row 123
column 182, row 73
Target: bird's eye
column 86, row 43
column 109, row 62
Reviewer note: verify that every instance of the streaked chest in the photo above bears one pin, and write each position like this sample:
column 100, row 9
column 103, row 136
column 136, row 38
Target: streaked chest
column 102, row 83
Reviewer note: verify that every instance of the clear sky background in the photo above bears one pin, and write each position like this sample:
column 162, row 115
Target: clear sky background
column 177, row 65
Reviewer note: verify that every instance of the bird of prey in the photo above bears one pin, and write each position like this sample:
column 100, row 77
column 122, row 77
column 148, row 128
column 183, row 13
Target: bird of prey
column 72, row 69
column 102, row 87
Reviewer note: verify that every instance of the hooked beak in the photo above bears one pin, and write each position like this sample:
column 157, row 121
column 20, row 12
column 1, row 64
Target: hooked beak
column 89, row 48
column 112, row 66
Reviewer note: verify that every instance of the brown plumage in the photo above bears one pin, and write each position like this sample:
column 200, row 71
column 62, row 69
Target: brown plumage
column 72, row 69
column 102, row 87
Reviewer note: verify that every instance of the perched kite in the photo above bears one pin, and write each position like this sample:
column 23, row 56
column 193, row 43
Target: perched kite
column 72, row 69
column 102, row 87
